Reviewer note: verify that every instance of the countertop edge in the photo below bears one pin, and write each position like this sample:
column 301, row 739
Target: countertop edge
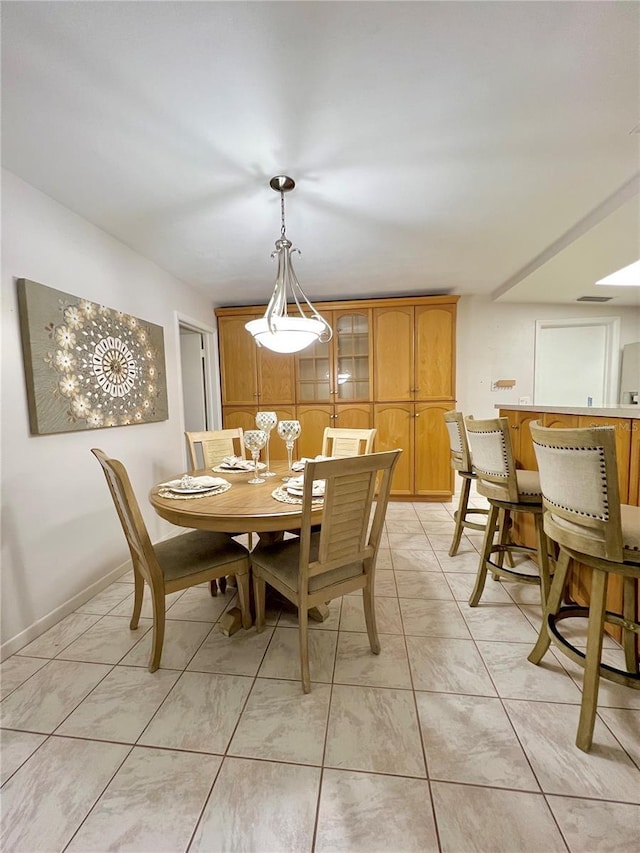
column 632, row 412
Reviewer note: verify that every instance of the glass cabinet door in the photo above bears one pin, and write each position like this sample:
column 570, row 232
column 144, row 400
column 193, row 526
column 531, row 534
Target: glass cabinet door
column 314, row 369
column 352, row 343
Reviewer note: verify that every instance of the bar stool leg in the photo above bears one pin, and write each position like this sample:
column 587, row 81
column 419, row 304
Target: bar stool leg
column 553, row 605
column 460, row 515
column 504, row 525
column 591, row 681
column 543, row 560
column 629, row 615
column 486, row 553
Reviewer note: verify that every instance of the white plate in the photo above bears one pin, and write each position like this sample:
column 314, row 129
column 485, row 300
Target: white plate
column 193, row 491
column 317, row 493
column 248, row 469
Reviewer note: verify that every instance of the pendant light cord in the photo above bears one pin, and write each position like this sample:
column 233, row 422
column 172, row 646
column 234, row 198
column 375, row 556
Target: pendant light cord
column 282, row 227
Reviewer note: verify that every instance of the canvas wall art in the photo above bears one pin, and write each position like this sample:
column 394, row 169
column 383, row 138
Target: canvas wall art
column 88, row 366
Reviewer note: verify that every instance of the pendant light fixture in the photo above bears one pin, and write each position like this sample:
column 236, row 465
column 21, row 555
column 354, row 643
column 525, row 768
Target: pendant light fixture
column 278, row 330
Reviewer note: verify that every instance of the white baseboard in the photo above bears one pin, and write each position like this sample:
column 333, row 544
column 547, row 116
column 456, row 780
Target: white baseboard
column 33, row 631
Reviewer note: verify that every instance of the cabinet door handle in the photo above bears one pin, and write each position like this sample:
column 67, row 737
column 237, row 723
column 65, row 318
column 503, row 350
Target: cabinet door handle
column 514, row 426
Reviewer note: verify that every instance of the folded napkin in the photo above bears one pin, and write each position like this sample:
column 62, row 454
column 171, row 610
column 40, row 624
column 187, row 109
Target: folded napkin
column 299, row 465
column 237, row 462
column 297, row 485
column 201, row 482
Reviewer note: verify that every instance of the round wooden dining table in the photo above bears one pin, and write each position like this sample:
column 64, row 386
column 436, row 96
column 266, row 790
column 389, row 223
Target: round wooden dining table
column 244, row 508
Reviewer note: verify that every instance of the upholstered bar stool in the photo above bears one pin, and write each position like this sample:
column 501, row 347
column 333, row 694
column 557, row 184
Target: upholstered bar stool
column 462, row 463
column 507, row 490
column 579, row 480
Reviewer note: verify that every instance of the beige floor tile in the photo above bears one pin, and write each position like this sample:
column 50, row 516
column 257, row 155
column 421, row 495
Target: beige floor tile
column 121, row 705
column 376, row 729
column 356, row 664
column 461, row 586
column 498, row 622
column 181, row 641
column 588, row 825
column 466, row 561
column 367, row 813
column 486, row 820
column 430, row 509
column 15, row 670
column 385, row 584
column 53, row 641
column 516, row 678
column 43, row 702
column 439, row 527
column 403, row 525
column 200, row 713
column 387, row 615
column 448, row 665
column 423, row 585
column 198, row 605
column 441, row 542
column 240, row 654
column 108, row 641
column 43, row 804
column 177, row 783
column 384, row 559
column 429, row 618
column 625, row 725
column 125, row 608
column 610, row 695
column 547, row 732
column 282, row 659
column 470, row 739
column 246, row 809
column 106, row 600
column 15, row 748
column 126, row 577
column 415, row 560
column 289, row 617
column 281, row 723
column 409, row 542
column 399, row 510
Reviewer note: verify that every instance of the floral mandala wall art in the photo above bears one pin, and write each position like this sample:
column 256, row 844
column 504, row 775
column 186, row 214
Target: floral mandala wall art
column 88, row 366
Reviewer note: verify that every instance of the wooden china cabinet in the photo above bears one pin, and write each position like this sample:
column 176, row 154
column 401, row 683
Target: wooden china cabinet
column 390, row 364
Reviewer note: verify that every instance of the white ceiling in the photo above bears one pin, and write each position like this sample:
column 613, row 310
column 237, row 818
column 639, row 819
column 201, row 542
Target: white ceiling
column 466, row 147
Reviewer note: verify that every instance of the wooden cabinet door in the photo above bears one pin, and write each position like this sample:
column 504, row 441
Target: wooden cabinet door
column 393, row 360
column 277, row 447
column 356, row 416
column 634, row 469
column 558, row 421
column 313, row 420
column 395, row 425
column 623, row 447
column 235, row 416
column 276, row 378
column 353, row 355
column 435, row 352
column 433, row 472
column 526, row 455
column 238, row 371
column 314, row 371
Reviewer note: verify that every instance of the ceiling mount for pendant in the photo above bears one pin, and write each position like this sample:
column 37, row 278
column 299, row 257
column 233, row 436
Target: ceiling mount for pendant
column 278, row 330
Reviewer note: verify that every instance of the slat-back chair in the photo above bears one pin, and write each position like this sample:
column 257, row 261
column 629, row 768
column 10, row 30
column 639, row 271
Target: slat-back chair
column 579, row 480
column 214, row 445
column 338, row 559
column 174, row 564
column 347, row 442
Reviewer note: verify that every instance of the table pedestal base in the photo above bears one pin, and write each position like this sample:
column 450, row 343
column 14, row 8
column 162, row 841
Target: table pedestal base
column 231, row 621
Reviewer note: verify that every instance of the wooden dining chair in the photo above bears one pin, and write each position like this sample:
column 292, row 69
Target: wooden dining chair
column 584, row 516
column 174, row 564
column 347, row 442
column 340, row 557
column 214, row 445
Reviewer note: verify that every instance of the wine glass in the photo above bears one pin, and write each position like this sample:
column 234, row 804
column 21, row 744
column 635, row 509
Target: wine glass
column 255, row 440
column 266, row 422
column 289, row 431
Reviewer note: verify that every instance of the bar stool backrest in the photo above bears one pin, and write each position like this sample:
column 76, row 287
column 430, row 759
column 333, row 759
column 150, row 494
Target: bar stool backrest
column 458, row 442
column 493, row 461
column 579, row 482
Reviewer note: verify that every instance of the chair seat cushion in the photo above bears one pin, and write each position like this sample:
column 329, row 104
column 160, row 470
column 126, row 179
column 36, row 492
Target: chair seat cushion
column 196, row 552
column 528, row 488
column 630, row 520
column 282, row 560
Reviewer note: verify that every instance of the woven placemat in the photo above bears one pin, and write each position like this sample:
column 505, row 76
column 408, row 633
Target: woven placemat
column 175, row 496
column 284, row 497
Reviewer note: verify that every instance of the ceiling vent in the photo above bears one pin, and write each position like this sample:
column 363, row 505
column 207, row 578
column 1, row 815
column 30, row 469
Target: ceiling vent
column 594, row 298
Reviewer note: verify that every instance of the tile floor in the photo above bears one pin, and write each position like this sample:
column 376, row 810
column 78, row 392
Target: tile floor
column 448, row 741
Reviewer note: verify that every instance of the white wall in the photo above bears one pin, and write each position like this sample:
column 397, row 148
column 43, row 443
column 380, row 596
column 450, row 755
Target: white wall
column 60, row 533
column 496, row 341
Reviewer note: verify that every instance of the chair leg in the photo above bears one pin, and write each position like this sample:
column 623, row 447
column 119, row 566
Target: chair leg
column 460, row 516
column 243, row 597
column 504, row 520
column 543, row 559
column 259, row 588
column 213, row 586
column 591, row 683
column 222, row 584
column 303, row 627
column 486, row 553
column 630, row 616
column 138, row 593
column 369, row 605
column 158, row 601
column 553, row 605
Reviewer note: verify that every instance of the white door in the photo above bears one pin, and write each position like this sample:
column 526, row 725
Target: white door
column 193, row 380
